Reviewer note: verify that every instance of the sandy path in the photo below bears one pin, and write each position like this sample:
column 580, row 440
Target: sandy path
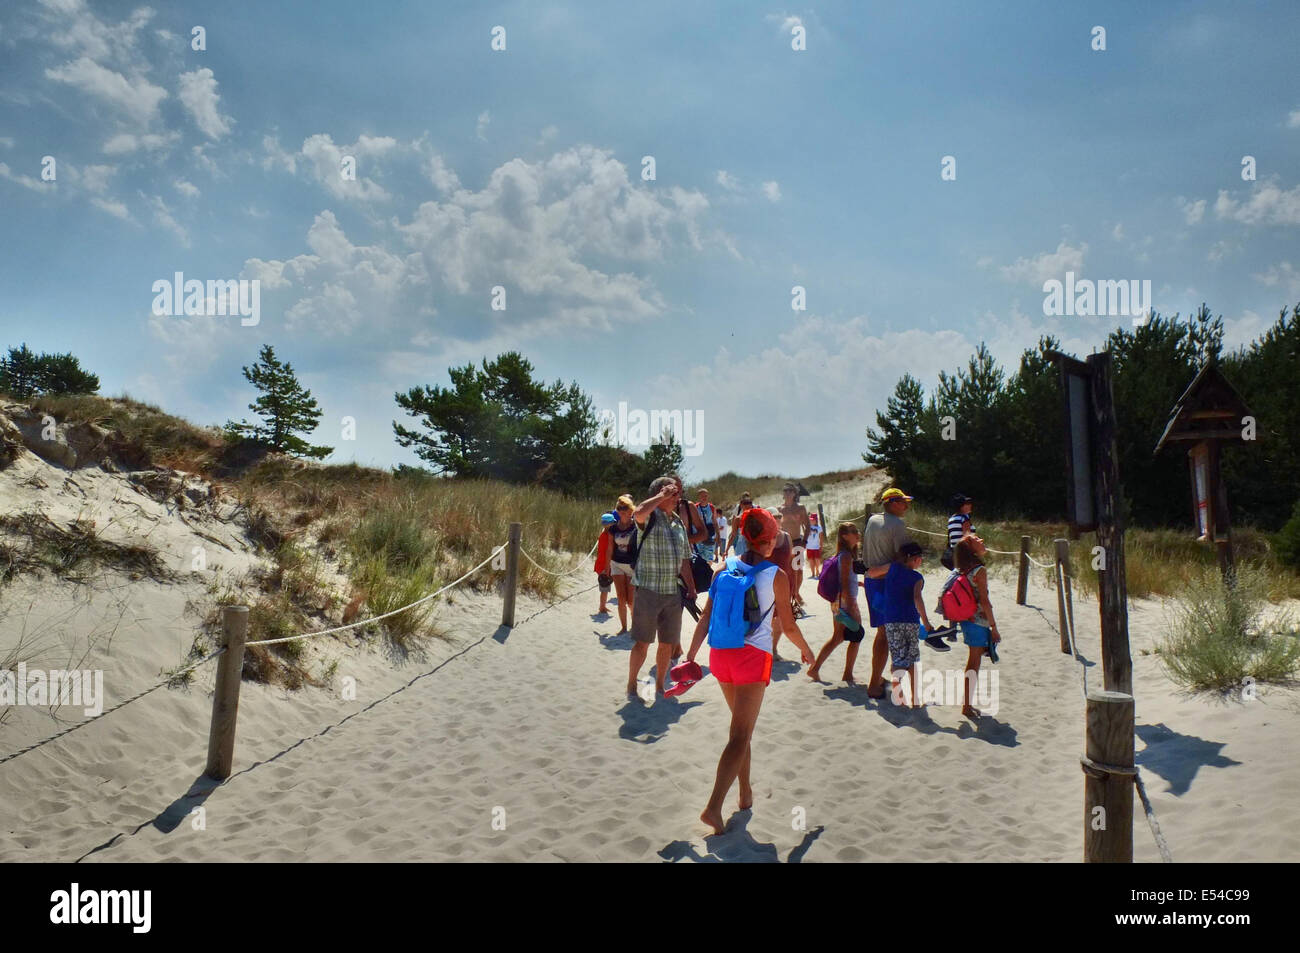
column 532, row 724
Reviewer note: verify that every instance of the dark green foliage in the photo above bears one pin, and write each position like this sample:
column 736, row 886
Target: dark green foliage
column 1009, row 449
column 25, row 374
column 285, row 406
column 1287, row 544
column 496, row 421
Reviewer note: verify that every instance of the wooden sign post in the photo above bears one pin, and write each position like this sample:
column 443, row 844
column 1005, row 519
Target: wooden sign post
column 1092, row 466
column 1209, row 414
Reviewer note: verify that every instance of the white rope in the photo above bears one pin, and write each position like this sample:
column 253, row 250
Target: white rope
column 582, row 562
column 1037, row 563
column 353, row 625
column 917, row 529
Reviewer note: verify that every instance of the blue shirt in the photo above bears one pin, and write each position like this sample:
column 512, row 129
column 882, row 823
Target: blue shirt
column 897, row 601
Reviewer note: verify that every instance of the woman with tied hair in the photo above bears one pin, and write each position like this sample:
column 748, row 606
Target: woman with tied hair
column 743, row 673
column 980, row 633
column 622, row 537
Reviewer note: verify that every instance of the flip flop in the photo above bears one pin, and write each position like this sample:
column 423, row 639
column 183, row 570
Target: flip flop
column 684, row 676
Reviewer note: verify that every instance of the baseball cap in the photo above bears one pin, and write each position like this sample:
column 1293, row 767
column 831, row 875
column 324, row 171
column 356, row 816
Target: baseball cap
column 910, row 549
column 607, row 518
column 894, row 493
column 958, row 501
column 768, row 526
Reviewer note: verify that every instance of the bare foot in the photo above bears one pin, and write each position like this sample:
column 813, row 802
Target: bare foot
column 714, row 820
column 970, row 712
column 814, row 675
column 848, row 680
column 746, row 798
column 879, row 694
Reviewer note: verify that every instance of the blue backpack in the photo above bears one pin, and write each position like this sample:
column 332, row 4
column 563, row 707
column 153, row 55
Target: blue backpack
column 735, row 604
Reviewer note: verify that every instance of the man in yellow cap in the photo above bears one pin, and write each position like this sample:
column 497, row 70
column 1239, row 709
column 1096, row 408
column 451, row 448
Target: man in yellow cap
column 884, row 537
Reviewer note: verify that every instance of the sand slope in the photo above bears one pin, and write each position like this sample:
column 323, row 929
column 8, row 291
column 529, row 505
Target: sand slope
column 530, row 727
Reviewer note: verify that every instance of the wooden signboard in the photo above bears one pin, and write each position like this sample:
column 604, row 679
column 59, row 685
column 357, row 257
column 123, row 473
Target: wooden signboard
column 1081, row 508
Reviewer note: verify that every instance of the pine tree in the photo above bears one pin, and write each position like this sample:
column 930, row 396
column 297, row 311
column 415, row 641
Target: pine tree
column 285, row 406
column 20, row 372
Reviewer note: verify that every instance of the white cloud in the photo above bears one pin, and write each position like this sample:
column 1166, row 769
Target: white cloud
column 1283, row 274
column 440, row 174
column 187, row 189
column 1052, row 264
column 198, row 94
column 112, row 207
column 277, row 156
column 7, row 142
column 162, row 215
column 480, row 127
column 125, row 142
column 94, row 178
column 137, row 98
column 71, row 25
column 788, row 21
column 772, row 191
column 1193, row 212
column 1267, row 204
column 727, row 181
column 324, row 160
column 1117, row 232
column 1293, row 119
column 26, row 181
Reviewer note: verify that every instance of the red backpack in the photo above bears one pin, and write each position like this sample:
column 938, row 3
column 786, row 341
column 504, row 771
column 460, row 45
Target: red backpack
column 957, row 601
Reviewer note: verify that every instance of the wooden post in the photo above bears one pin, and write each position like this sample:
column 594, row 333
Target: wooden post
column 1108, row 832
column 1062, row 620
column 821, row 521
column 1116, row 663
column 512, row 575
column 1223, row 547
column 1066, row 591
column 1022, row 583
column 866, row 519
column 225, row 699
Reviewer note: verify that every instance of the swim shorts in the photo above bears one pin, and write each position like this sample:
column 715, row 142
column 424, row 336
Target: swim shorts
column 975, row 635
column 742, row 666
column 904, row 649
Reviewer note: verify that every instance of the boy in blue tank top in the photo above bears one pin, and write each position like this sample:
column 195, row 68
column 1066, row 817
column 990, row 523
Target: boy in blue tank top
column 904, row 610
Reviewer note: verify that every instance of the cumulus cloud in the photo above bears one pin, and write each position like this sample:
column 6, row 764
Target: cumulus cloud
column 727, row 181
column 1193, row 212
column 1047, row 265
column 135, row 98
column 322, row 159
column 1267, row 204
column 772, row 191
column 198, row 94
column 480, row 127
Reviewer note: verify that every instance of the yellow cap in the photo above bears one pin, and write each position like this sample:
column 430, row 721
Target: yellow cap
column 894, row 493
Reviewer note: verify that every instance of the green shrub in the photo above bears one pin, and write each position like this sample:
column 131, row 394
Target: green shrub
column 1287, row 542
column 1220, row 634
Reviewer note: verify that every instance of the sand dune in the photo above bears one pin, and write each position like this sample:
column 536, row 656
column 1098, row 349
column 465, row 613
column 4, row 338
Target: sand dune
column 520, row 745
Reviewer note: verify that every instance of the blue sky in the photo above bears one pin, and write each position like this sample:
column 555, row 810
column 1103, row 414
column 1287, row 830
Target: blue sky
column 523, row 168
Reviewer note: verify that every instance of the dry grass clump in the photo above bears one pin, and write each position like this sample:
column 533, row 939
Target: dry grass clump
column 73, row 552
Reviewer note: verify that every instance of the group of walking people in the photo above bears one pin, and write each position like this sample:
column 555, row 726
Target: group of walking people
column 660, row 554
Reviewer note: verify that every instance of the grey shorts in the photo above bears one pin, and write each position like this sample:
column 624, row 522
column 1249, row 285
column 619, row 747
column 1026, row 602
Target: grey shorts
column 904, row 644
column 654, row 613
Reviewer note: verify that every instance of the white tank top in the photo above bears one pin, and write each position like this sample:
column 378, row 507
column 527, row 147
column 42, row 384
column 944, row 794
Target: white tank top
column 761, row 637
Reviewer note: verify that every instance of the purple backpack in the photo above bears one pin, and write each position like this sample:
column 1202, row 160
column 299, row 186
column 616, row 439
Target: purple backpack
column 828, row 583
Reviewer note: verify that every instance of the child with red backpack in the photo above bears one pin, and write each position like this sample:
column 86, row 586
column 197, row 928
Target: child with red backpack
column 838, row 585
column 965, row 600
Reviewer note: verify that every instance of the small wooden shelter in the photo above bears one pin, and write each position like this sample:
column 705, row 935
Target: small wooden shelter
column 1209, row 414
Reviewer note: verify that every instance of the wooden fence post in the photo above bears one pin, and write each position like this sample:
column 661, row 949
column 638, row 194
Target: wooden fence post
column 1022, row 583
column 1062, row 618
column 1067, row 587
column 512, row 575
column 866, row 519
column 225, row 698
column 1108, row 795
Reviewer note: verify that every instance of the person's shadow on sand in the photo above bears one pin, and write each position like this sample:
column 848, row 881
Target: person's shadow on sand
column 735, row 845
column 620, row 642
column 646, row 724
column 1177, row 758
column 782, row 669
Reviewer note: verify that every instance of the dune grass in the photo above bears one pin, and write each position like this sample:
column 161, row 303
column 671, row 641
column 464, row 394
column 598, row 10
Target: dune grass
column 1221, row 634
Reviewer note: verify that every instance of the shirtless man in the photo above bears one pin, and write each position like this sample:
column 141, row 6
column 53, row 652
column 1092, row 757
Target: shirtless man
column 794, row 520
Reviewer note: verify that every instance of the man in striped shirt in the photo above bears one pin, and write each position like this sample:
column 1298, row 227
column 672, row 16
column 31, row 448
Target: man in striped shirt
column 663, row 557
column 959, row 524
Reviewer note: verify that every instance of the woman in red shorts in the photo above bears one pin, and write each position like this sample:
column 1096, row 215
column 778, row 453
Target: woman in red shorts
column 744, row 673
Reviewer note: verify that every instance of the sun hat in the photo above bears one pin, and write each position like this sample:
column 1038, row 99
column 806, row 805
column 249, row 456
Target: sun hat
column 894, row 493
